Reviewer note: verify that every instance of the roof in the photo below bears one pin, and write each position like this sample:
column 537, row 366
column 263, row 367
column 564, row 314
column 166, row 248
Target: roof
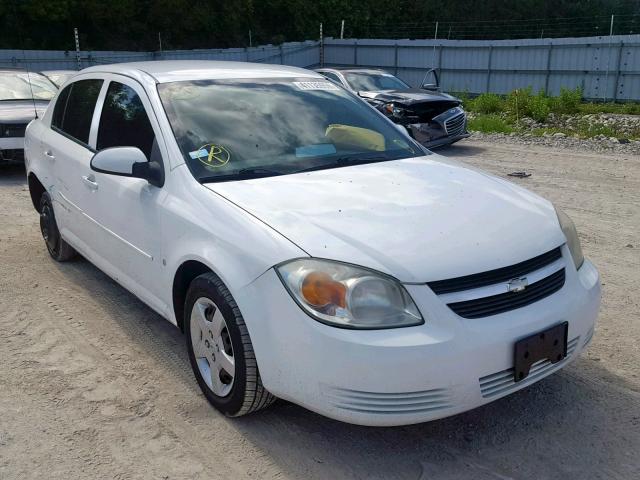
column 355, row 69
column 178, row 70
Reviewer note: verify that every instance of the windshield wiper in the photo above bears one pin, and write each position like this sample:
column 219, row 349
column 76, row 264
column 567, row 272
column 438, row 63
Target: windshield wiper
column 343, row 162
column 243, row 174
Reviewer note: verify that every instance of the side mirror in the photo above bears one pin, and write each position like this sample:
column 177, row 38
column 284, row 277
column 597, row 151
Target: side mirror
column 127, row 162
column 431, row 87
column 431, row 81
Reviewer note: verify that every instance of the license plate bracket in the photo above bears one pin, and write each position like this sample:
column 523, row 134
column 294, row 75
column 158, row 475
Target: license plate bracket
column 548, row 344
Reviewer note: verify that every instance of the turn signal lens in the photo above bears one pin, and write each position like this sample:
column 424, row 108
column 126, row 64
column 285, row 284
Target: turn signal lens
column 319, row 290
column 348, row 296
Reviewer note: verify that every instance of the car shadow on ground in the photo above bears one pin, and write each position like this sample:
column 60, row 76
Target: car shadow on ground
column 459, row 149
column 582, row 422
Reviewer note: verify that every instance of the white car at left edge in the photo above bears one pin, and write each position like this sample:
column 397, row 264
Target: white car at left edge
column 308, row 248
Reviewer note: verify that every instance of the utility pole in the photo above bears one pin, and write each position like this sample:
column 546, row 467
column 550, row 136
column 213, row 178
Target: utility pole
column 250, row 44
column 606, row 77
column 160, row 43
column 321, row 47
column 611, row 26
column 342, row 30
column 433, row 56
column 75, row 33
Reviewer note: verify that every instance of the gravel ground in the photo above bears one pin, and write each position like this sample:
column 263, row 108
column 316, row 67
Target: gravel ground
column 93, row 384
column 600, row 144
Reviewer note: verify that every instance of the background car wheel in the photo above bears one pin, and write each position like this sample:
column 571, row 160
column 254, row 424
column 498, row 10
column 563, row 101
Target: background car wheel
column 220, row 349
column 60, row 250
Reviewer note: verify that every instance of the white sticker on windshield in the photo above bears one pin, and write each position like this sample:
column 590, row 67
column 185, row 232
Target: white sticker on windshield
column 316, row 86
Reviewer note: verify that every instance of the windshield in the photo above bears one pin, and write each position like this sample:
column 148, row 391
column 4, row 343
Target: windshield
column 234, row 129
column 15, row 86
column 369, row 82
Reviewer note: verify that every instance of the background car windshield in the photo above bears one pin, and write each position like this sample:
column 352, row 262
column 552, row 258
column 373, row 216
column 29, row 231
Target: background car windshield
column 367, row 82
column 276, row 126
column 15, row 86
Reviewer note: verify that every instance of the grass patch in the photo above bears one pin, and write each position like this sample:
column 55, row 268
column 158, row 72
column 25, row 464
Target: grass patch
column 490, row 124
column 524, row 103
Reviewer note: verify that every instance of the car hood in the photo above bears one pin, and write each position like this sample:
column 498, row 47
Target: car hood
column 419, row 219
column 20, row 111
column 409, row 96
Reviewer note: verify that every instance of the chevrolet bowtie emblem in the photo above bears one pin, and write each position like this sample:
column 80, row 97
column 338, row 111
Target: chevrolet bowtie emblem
column 517, row 284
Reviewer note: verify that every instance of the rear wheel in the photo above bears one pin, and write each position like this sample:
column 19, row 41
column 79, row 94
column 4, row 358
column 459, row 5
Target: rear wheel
column 59, row 250
column 220, row 350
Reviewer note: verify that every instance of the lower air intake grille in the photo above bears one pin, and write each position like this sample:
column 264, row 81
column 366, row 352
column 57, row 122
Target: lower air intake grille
column 502, row 382
column 485, row 306
column 388, row 403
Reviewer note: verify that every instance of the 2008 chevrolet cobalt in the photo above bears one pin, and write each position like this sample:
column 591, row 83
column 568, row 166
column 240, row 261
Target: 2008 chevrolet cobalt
column 308, row 248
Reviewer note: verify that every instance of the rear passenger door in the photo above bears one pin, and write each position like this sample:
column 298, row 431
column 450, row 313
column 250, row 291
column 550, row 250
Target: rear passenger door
column 129, row 209
column 66, row 147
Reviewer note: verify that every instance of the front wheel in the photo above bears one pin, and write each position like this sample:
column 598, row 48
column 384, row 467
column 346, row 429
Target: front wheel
column 59, row 250
column 220, row 350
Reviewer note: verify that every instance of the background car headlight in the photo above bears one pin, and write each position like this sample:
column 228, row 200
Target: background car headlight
column 573, row 242
column 392, row 109
column 347, row 296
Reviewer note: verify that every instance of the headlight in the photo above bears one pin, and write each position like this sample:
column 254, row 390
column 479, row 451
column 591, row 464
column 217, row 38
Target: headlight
column 573, row 242
column 347, row 296
column 392, row 109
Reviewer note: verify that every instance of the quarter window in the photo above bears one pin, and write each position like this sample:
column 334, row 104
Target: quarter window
column 74, row 110
column 124, row 121
column 61, row 105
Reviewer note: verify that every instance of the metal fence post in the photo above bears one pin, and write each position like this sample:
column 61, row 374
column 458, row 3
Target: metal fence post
column 488, row 86
column 615, row 90
column 395, row 61
column 355, row 53
column 440, row 48
column 546, row 80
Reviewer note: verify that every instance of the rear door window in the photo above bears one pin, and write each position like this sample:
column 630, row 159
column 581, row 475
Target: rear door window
column 124, row 121
column 75, row 120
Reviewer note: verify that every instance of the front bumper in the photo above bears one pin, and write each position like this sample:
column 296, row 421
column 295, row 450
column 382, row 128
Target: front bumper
column 12, row 150
column 435, row 133
column 407, row 375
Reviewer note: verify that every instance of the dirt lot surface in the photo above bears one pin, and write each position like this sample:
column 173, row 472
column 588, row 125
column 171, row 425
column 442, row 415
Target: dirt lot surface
column 93, row 384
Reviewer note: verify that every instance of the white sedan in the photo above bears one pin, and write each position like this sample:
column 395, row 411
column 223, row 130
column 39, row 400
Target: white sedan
column 308, row 249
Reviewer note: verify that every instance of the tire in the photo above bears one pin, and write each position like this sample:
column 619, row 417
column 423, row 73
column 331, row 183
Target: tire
column 59, row 250
column 209, row 312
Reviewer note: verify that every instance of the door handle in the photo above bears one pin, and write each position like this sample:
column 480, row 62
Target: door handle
column 90, row 181
column 50, row 155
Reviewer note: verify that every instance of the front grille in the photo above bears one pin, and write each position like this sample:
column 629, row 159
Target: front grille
column 13, row 130
column 455, row 125
column 388, row 403
column 495, row 304
column 501, row 383
column 495, row 276
column 12, row 155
